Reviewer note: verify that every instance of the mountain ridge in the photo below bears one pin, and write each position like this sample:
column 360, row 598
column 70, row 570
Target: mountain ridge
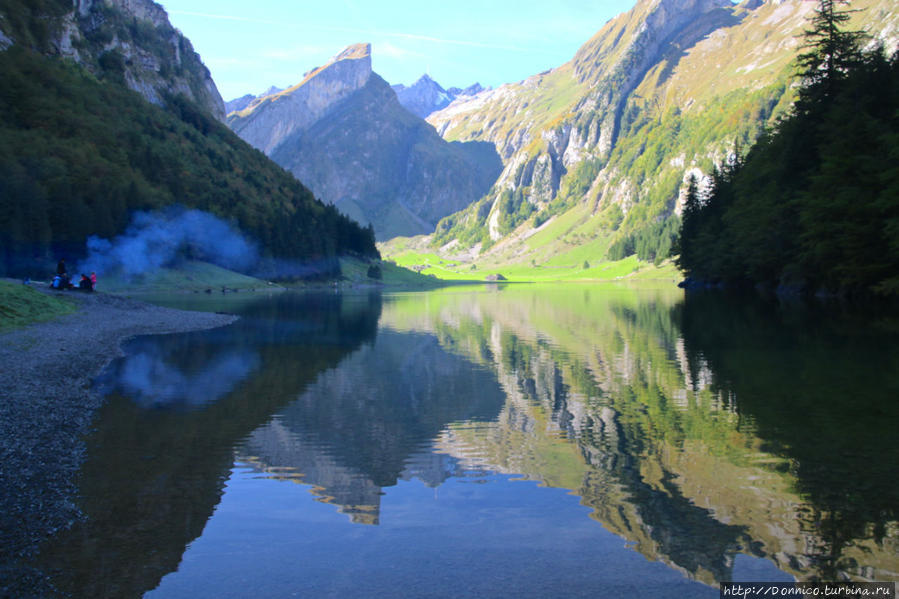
column 660, row 92
column 343, row 132
column 273, row 118
column 426, row 96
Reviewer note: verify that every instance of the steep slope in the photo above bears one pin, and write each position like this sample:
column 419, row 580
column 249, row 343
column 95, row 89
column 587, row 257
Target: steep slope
column 426, row 96
column 608, row 139
column 80, row 152
column 241, row 103
column 131, row 41
column 343, row 132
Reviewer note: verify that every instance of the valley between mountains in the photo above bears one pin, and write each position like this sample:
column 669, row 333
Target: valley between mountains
column 578, row 172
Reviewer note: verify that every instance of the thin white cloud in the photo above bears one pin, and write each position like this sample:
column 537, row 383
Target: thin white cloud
column 294, row 53
column 439, row 40
column 362, row 32
column 393, row 51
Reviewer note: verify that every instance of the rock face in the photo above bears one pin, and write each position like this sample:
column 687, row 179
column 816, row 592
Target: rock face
column 577, row 134
column 426, row 96
column 272, row 119
column 241, row 103
column 127, row 40
column 603, row 74
column 238, row 104
column 343, row 132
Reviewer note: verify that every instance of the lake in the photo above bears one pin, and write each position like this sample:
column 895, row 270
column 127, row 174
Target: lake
column 495, row 441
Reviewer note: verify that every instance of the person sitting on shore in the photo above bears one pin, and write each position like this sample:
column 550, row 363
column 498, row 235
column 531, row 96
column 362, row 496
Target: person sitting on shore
column 85, row 283
column 61, row 282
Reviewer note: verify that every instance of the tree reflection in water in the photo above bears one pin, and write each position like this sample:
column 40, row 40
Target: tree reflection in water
column 699, row 430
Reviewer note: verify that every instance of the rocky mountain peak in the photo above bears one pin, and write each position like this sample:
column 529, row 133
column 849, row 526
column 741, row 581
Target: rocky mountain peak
column 352, row 67
column 343, row 132
column 426, row 96
column 471, row 90
column 354, row 52
column 267, row 121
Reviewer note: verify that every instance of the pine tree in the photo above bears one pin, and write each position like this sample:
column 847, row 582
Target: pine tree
column 831, row 50
column 686, row 258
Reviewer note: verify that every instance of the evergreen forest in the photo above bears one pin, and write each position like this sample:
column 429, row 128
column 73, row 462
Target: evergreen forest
column 814, row 205
column 79, row 154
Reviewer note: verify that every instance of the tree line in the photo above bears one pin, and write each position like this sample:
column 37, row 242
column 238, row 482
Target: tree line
column 79, row 154
column 814, row 204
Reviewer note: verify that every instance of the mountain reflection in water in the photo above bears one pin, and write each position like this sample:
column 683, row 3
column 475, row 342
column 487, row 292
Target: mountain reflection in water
column 700, row 431
column 371, row 422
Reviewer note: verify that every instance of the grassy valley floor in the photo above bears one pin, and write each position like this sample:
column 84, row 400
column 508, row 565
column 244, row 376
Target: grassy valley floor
column 576, row 265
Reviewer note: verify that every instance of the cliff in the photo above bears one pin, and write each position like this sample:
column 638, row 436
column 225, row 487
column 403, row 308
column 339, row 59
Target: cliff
column 127, row 40
column 343, row 132
column 661, row 92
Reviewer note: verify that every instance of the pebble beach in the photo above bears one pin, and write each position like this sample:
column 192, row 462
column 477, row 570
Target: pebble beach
column 46, row 408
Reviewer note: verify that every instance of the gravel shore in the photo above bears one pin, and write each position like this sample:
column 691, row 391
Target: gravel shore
column 46, row 408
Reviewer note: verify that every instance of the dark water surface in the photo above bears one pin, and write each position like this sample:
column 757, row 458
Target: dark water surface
column 578, row 441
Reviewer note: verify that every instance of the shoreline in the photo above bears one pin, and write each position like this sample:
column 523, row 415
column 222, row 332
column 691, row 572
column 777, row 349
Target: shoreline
column 47, row 404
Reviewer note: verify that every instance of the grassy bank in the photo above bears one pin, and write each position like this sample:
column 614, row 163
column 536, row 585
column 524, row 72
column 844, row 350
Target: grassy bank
column 188, row 277
column 196, row 277
column 573, row 268
column 568, row 247
column 21, row 305
column 388, row 274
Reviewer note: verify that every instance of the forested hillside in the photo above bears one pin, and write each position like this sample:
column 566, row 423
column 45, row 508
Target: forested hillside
column 80, row 152
column 78, row 156
column 814, row 205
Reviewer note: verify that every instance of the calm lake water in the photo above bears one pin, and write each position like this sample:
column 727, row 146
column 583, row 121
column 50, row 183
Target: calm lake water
column 526, row 441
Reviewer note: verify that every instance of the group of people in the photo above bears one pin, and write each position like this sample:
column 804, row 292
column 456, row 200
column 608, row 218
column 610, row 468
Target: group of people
column 63, row 281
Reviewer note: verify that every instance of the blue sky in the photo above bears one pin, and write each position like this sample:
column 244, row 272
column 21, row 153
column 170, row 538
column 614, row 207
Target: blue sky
column 251, row 45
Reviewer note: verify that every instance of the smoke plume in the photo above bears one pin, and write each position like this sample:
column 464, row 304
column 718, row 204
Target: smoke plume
column 155, row 240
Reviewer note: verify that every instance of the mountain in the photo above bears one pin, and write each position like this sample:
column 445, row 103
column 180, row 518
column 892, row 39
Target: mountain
column 130, row 40
column 343, row 132
column 426, row 96
column 596, row 152
column 238, row 104
column 106, row 111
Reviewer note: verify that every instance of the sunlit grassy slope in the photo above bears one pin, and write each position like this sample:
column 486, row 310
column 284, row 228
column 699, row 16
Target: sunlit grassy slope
column 568, row 247
column 355, row 272
column 562, row 267
column 721, row 81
